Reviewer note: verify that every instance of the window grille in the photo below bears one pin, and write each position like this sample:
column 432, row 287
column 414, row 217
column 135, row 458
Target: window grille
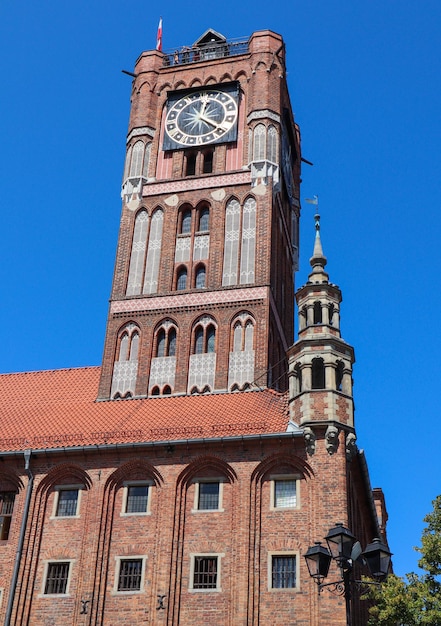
column 129, row 578
column 7, row 499
column 137, row 498
column 283, row 572
column 67, row 502
column 205, row 572
column 57, row 578
column 285, row 493
column 208, row 496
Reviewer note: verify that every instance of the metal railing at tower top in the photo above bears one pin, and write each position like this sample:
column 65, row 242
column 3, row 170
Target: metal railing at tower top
column 205, row 52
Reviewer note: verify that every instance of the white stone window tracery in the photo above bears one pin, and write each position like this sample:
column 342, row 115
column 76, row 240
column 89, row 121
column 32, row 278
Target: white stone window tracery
column 272, row 149
column 163, row 366
column 146, row 253
column 259, row 143
column 137, row 159
column 233, row 215
column 248, row 247
column 202, row 366
column 125, row 367
column 241, row 359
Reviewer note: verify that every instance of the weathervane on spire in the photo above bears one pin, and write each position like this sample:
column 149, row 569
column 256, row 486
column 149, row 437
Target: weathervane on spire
column 315, row 202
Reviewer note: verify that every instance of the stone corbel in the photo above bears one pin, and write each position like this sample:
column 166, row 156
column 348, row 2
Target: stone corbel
column 351, row 446
column 331, row 439
column 309, row 436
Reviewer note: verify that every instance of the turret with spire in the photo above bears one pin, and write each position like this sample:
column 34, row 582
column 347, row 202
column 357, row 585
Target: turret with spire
column 320, row 361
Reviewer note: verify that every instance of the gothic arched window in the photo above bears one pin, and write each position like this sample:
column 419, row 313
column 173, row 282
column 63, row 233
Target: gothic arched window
column 239, row 242
column 243, row 334
column 204, row 219
column 137, row 159
column 145, row 167
column 186, row 222
column 125, row 367
column 272, row 151
column 145, row 254
column 166, row 340
column 200, row 277
column 231, row 246
column 204, row 339
column 259, row 140
column 248, row 243
column 181, row 280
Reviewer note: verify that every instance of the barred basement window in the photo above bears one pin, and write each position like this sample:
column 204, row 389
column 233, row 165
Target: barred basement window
column 130, row 575
column 283, row 571
column 205, row 575
column 57, row 578
column 208, row 497
column 6, row 507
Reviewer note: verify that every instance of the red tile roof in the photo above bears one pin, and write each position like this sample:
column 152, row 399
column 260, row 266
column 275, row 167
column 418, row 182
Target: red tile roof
column 58, row 409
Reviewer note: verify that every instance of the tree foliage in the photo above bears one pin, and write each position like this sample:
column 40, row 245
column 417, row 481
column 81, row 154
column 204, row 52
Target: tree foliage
column 415, row 600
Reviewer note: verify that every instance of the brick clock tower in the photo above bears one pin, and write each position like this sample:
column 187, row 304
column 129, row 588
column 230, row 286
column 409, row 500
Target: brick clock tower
column 203, row 291
column 194, row 500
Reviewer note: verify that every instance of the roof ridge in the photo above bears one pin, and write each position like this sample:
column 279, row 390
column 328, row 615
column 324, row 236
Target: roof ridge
column 60, row 369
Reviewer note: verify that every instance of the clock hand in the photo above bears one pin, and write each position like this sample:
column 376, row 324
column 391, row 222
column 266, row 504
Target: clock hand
column 208, row 120
column 204, row 106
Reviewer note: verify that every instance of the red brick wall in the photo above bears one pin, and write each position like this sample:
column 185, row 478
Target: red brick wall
column 245, row 532
column 263, row 85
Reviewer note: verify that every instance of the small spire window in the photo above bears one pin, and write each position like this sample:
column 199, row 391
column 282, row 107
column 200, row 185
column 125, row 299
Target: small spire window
column 318, row 374
column 339, row 376
column 331, row 314
column 318, row 313
column 298, row 374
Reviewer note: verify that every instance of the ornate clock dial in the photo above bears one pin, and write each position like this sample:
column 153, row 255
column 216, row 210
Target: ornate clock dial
column 201, row 117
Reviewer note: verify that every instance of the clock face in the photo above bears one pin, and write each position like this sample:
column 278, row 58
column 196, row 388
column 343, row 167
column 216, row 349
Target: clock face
column 199, row 118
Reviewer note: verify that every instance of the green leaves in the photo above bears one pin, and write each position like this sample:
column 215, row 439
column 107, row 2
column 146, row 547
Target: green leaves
column 415, row 600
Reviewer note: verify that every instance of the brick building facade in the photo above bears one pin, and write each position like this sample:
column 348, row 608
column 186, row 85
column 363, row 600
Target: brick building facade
column 183, row 481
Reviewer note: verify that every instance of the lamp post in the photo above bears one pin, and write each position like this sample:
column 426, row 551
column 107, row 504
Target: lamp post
column 345, row 549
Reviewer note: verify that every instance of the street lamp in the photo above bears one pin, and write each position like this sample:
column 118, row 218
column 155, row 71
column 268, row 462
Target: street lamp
column 345, row 549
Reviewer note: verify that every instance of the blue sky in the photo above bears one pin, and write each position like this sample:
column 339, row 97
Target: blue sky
column 365, row 87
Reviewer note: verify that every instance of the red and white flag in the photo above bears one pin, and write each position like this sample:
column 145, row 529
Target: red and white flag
column 159, row 36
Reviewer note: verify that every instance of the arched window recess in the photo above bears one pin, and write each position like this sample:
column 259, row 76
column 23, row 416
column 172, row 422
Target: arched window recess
column 318, row 374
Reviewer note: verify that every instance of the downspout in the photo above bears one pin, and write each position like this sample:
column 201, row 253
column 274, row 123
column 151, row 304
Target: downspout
column 24, row 522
